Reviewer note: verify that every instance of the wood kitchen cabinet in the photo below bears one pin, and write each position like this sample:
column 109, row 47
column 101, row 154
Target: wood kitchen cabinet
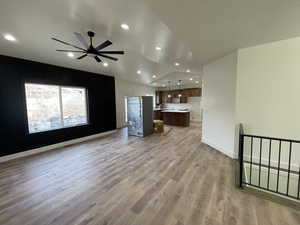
column 158, row 97
column 193, row 92
column 162, row 96
column 158, row 115
column 175, row 94
column 183, row 99
column 176, row 118
column 165, row 98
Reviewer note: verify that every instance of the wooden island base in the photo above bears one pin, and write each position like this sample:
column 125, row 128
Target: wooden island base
column 176, row 118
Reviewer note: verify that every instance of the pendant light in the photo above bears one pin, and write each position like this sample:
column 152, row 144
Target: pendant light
column 169, row 86
column 179, row 84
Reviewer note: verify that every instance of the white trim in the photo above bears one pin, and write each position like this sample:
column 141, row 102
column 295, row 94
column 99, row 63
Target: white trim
column 61, row 108
column 54, row 146
column 230, row 154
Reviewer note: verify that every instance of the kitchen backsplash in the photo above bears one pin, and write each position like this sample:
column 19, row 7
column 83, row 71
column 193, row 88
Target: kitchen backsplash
column 193, row 105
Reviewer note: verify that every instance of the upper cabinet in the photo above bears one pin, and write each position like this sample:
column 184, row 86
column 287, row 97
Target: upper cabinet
column 172, row 96
column 158, row 97
column 183, row 99
column 193, row 92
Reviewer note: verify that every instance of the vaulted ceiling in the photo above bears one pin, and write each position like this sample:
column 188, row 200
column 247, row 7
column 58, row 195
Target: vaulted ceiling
column 191, row 32
column 213, row 28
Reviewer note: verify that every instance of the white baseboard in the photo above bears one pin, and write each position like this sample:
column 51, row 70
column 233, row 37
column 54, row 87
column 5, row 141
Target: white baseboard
column 220, row 149
column 54, row 146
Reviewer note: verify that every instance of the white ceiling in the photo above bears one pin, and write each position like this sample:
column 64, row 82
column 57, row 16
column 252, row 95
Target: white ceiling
column 34, row 22
column 171, row 80
column 213, row 28
column 190, row 32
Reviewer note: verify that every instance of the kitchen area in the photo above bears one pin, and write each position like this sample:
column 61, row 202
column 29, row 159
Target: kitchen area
column 178, row 107
column 173, row 103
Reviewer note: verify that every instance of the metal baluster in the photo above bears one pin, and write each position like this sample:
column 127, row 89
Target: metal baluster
column 260, row 145
column 251, row 160
column 241, row 159
column 278, row 166
column 269, row 166
column 298, row 183
column 289, row 169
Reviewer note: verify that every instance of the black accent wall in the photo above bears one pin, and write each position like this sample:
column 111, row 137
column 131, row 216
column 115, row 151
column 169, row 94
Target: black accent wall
column 14, row 133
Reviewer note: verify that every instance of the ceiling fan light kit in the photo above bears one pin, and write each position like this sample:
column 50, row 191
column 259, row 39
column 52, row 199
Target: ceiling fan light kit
column 89, row 49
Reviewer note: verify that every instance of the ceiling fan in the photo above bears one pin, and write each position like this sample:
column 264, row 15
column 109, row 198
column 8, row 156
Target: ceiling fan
column 89, row 49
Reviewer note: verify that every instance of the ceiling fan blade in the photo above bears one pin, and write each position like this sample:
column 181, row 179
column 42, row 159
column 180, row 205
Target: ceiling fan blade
column 80, row 57
column 97, row 59
column 103, row 45
column 69, row 51
column 109, row 57
column 81, row 39
column 63, row 42
column 112, row 52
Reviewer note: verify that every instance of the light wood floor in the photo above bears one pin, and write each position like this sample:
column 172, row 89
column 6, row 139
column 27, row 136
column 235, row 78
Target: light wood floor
column 158, row 180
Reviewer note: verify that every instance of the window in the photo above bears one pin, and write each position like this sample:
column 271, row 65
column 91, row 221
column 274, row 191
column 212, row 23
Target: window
column 52, row 107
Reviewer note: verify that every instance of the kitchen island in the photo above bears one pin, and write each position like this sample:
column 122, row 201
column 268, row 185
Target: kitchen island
column 173, row 117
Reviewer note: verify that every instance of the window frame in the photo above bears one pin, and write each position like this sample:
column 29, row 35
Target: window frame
column 60, row 105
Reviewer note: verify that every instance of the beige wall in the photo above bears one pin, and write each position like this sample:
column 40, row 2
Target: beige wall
column 268, row 91
column 126, row 89
column 260, row 88
column 218, row 102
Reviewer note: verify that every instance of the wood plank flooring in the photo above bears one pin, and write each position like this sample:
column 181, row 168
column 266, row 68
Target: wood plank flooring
column 119, row 180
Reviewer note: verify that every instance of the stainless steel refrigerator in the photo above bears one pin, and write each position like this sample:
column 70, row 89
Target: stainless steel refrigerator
column 140, row 115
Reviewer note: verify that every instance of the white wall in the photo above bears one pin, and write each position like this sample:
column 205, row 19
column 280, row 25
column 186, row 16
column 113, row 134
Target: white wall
column 218, row 102
column 268, row 91
column 125, row 89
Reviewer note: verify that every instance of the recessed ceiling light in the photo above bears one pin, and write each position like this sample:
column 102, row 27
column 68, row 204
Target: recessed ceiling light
column 70, row 54
column 191, row 78
column 178, row 83
column 125, row 26
column 176, row 64
column 138, row 72
column 154, row 76
column 9, row 37
column 197, row 82
column 158, row 48
column 105, row 64
column 164, row 85
column 188, row 71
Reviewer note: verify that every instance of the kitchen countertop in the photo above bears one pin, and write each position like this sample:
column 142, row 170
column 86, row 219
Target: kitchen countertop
column 172, row 110
column 176, row 111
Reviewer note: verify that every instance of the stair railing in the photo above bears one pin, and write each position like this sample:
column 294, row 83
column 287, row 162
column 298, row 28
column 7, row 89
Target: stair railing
column 266, row 173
